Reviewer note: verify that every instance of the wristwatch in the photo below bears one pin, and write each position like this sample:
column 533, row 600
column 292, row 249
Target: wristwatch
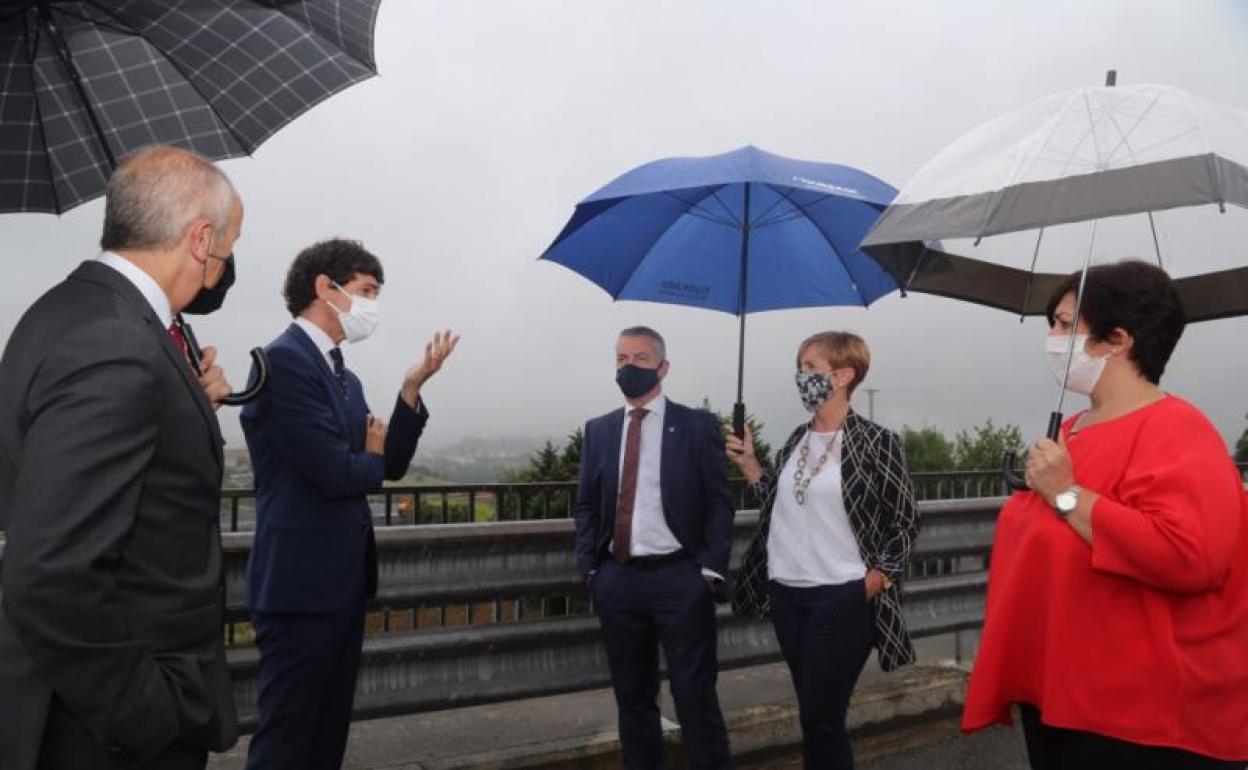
column 1067, row 500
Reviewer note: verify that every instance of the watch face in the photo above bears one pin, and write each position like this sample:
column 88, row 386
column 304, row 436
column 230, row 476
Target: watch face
column 1066, row 502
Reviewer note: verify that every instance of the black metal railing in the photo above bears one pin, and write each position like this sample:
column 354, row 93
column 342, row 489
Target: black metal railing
column 482, row 503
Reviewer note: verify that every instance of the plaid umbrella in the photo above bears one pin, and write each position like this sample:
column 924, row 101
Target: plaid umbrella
column 84, row 83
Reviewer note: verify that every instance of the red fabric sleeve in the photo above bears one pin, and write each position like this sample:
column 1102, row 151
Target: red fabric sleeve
column 1173, row 521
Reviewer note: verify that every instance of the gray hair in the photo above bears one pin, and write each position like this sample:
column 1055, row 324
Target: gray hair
column 656, row 339
column 157, row 192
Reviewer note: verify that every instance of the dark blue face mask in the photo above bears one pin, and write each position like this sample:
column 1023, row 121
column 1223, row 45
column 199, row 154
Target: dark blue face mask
column 634, row 381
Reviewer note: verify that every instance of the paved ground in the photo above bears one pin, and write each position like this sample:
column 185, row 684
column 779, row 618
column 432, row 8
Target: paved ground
column 577, row 730
column 944, row 749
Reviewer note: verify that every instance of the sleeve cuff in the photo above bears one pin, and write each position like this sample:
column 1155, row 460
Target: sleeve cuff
column 413, row 417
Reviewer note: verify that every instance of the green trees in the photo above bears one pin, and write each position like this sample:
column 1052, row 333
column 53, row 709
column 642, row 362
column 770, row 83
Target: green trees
column 551, row 462
column 926, row 450
column 1241, row 447
column 979, row 448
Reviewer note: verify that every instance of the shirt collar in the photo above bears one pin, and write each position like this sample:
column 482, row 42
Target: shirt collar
column 147, row 286
column 317, row 335
column 656, row 405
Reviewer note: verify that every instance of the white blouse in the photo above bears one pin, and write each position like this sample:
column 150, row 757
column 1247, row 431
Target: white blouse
column 812, row 544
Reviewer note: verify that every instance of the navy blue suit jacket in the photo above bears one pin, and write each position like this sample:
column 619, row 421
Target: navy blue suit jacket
column 314, row 550
column 697, row 501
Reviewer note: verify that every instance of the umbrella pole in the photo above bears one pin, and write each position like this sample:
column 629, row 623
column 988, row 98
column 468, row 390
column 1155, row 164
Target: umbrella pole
column 738, row 409
column 1012, row 477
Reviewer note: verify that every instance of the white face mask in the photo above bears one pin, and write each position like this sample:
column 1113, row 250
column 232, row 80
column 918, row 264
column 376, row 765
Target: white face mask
column 361, row 319
column 1085, row 370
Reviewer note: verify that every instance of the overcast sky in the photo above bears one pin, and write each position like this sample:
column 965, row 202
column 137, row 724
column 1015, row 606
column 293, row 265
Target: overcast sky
column 492, row 119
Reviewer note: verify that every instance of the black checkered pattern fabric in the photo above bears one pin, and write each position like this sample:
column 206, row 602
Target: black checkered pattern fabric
column 879, row 499
column 215, row 76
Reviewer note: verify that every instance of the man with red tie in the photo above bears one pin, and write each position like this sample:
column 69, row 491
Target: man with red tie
column 653, row 535
column 111, row 649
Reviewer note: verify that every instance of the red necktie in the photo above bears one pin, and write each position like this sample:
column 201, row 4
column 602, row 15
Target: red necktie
column 179, row 340
column 622, row 547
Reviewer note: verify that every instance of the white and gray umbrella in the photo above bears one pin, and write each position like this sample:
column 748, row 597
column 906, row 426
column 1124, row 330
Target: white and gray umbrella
column 1080, row 155
column 1088, row 155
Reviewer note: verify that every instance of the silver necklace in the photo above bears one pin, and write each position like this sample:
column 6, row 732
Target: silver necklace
column 800, row 480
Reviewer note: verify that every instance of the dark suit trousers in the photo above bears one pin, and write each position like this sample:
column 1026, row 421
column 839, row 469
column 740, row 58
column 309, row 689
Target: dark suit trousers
column 639, row 609
column 68, row 745
column 825, row 633
column 308, row 665
column 1056, row 748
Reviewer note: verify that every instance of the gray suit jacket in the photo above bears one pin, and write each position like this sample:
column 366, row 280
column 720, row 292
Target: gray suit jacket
column 110, row 586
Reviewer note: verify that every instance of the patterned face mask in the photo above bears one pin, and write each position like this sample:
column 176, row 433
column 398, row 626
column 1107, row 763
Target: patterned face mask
column 814, row 388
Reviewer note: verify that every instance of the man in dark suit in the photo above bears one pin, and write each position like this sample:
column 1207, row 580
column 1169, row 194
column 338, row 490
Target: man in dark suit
column 318, row 451
column 653, row 535
column 111, row 648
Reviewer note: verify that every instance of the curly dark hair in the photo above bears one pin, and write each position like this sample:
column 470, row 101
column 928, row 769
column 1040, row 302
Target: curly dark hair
column 338, row 258
column 1138, row 298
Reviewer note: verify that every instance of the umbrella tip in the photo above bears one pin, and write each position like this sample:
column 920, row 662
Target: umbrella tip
column 1111, row 78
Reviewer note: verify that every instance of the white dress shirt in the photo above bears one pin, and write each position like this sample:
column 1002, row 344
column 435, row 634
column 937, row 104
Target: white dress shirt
column 813, row 544
column 146, row 285
column 319, row 338
column 651, row 535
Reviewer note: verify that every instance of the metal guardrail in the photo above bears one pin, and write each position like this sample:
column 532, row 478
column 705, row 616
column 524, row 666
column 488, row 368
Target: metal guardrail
column 478, row 503
column 400, row 505
column 500, row 659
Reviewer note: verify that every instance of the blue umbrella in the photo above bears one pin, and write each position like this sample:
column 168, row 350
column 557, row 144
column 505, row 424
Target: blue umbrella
column 741, row 232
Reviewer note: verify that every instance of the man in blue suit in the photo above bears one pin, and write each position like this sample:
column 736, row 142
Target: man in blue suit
column 317, row 451
column 653, row 535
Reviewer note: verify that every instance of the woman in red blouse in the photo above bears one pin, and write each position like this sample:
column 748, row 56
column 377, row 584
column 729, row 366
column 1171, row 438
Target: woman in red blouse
column 1117, row 615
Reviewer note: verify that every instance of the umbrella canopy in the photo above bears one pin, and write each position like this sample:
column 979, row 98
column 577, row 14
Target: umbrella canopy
column 1080, row 155
column 741, row 232
column 84, row 83
column 672, row 231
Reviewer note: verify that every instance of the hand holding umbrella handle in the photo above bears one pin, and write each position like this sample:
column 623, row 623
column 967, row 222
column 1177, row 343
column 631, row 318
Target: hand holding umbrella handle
column 258, row 357
column 1013, row 478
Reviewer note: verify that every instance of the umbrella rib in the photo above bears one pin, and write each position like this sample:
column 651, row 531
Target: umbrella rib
column 370, row 66
column 731, row 216
column 1096, row 145
column 993, row 201
column 1168, row 140
column 694, row 208
column 787, row 216
column 1124, row 137
column 826, row 237
column 31, row 52
column 761, row 219
column 165, row 55
column 95, row 22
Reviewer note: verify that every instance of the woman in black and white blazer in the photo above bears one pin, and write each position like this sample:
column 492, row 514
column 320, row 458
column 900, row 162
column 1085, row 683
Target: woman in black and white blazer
column 835, row 532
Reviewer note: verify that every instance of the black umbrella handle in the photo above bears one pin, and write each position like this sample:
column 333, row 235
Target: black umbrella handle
column 1013, row 478
column 738, row 420
column 258, row 357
